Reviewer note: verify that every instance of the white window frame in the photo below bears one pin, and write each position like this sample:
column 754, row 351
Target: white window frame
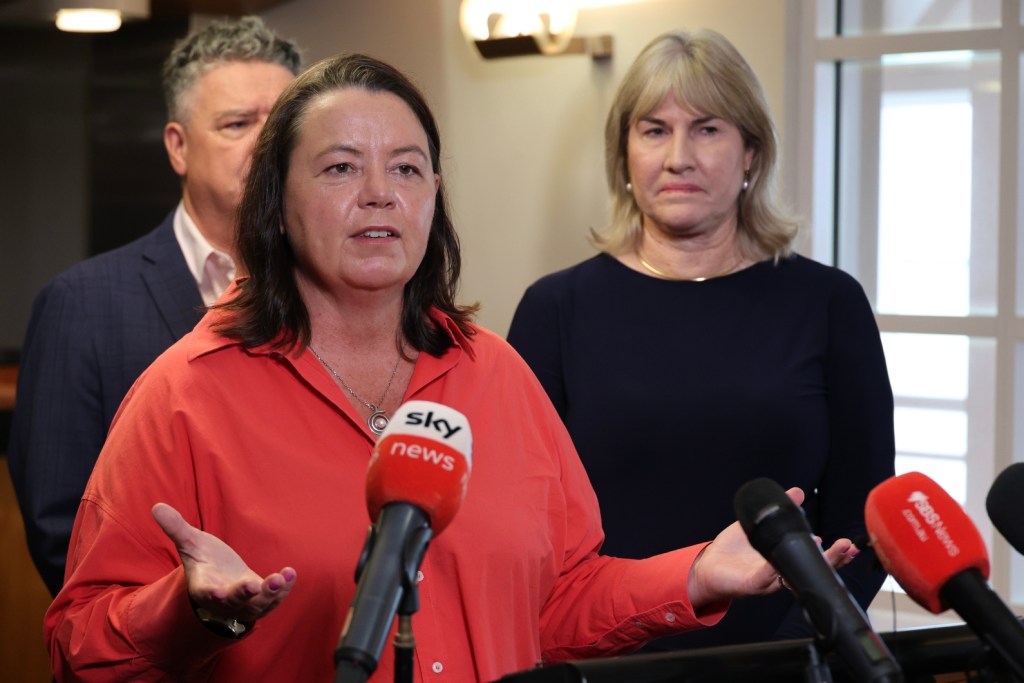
column 805, row 51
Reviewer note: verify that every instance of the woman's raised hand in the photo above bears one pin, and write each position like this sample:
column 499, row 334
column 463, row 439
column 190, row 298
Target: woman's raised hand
column 217, row 578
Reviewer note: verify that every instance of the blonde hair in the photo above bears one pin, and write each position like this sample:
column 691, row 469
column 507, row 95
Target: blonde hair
column 705, row 73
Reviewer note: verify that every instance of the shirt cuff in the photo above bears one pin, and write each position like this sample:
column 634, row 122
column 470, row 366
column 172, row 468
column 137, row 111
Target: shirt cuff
column 165, row 628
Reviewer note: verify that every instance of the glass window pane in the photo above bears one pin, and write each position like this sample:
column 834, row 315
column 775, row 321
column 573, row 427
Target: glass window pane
column 951, row 475
column 870, row 17
column 824, row 176
column 931, row 431
column 927, row 243
column 917, row 210
column 943, row 388
column 913, row 358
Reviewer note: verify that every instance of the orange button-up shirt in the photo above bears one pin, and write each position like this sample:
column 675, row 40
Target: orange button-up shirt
column 264, row 451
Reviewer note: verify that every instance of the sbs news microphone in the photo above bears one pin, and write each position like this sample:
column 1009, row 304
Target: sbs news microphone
column 930, row 546
column 778, row 529
column 414, row 486
column 1005, row 505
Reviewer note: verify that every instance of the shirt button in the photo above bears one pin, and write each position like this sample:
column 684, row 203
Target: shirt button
column 669, row 617
column 437, row 667
column 419, row 577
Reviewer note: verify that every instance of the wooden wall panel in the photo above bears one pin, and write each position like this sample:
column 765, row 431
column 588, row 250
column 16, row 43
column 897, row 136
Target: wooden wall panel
column 23, row 597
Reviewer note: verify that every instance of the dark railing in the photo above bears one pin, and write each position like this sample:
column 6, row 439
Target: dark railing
column 926, row 655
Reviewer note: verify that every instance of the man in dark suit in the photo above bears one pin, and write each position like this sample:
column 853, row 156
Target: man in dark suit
column 98, row 325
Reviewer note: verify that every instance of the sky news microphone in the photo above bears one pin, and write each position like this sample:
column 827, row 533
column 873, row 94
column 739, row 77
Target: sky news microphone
column 778, row 529
column 930, row 546
column 1005, row 505
column 414, row 486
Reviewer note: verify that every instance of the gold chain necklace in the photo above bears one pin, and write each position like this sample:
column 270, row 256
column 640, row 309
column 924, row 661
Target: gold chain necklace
column 666, row 276
column 378, row 419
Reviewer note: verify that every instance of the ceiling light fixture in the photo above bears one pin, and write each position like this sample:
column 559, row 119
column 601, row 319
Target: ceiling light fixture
column 98, row 16
column 511, row 28
column 88, row 20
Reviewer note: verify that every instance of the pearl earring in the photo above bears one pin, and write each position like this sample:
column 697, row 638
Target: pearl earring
column 629, row 188
column 746, row 180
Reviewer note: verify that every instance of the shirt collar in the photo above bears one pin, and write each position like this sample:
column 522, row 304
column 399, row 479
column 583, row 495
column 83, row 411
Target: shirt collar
column 205, row 340
column 200, row 254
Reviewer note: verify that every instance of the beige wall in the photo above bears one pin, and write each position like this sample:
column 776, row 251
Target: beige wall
column 524, row 160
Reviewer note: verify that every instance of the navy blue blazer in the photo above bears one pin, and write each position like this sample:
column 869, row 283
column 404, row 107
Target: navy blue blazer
column 93, row 330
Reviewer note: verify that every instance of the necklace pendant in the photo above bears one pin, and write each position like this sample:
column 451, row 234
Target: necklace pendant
column 377, row 421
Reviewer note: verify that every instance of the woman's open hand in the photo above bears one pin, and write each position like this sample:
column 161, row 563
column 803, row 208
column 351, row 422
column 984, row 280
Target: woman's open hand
column 729, row 567
column 217, row 578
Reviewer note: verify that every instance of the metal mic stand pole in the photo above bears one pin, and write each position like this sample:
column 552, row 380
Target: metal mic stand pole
column 817, row 670
column 405, row 642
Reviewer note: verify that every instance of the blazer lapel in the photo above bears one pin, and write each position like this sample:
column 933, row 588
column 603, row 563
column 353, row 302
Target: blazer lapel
column 170, row 282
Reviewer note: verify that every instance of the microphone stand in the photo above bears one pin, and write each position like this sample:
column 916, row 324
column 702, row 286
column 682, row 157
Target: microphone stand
column 405, row 642
column 817, row 670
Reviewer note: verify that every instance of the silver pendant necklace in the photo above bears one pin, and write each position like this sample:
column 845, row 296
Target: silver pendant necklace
column 378, row 420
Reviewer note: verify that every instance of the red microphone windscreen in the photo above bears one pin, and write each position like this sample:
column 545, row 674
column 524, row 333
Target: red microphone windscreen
column 423, row 457
column 922, row 536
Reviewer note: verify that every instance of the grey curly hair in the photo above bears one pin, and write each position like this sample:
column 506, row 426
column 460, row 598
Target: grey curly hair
column 246, row 39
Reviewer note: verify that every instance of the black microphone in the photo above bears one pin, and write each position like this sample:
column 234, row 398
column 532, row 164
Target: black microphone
column 778, row 530
column 1005, row 505
column 414, row 486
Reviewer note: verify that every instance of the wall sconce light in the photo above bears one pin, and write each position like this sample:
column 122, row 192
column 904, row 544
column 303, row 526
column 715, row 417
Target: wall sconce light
column 512, row 28
column 98, row 16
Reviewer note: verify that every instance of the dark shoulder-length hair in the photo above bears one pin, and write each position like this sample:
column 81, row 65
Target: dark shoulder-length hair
column 269, row 309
